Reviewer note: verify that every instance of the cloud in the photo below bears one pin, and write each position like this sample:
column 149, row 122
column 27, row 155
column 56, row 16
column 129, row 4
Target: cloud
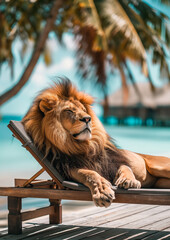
column 42, row 74
column 66, row 64
column 52, row 44
column 69, row 42
column 39, row 79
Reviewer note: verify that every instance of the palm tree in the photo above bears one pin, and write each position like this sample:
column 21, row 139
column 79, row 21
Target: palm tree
column 129, row 29
column 106, row 32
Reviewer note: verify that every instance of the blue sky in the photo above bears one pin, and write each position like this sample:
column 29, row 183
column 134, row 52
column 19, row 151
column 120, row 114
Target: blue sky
column 63, row 64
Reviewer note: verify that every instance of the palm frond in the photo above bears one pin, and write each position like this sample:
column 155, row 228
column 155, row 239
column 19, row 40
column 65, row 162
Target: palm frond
column 90, row 62
column 121, row 33
column 150, row 35
column 22, row 19
column 152, row 18
column 89, row 16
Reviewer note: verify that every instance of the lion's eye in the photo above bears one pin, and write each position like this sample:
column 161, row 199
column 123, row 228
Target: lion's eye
column 68, row 110
column 84, row 109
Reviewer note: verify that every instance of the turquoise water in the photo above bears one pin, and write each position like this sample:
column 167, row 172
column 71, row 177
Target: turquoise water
column 13, row 157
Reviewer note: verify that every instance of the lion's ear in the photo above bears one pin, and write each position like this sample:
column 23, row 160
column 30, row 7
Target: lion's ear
column 47, row 105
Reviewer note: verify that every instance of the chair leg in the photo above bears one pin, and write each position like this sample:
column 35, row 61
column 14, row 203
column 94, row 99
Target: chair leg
column 14, row 216
column 56, row 216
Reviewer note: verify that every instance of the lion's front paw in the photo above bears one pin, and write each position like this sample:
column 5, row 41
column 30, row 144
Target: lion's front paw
column 127, row 183
column 102, row 194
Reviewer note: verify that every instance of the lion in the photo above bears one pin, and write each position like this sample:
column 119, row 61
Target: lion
column 63, row 125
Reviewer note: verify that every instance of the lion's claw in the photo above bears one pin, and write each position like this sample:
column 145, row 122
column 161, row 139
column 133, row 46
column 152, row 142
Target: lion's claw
column 128, row 183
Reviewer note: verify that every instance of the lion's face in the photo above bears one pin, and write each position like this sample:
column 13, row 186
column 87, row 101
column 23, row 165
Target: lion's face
column 75, row 120
column 66, row 119
column 61, row 117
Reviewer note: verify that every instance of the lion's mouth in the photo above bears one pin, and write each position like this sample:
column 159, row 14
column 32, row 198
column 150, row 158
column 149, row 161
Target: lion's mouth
column 86, row 130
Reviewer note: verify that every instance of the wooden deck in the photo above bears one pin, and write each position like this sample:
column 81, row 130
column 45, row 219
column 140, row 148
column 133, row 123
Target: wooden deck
column 120, row 221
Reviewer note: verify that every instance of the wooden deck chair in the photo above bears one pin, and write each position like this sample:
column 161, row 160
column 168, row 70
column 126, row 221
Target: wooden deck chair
column 58, row 188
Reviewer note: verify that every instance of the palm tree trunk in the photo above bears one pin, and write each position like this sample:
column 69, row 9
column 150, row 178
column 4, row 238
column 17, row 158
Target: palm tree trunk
column 35, row 56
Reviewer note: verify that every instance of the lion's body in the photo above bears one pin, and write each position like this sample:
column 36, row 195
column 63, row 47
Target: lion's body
column 62, row 123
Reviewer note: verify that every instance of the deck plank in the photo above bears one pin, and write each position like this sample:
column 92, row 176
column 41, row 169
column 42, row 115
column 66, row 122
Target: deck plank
column 148, row 220
column 80, row 233
column 111, row 214
column 158, row 235
column 139, row 218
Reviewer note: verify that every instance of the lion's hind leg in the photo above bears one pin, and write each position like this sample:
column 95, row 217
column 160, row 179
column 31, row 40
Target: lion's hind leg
column 157, row 166
column 125, row 178
column 162, row 183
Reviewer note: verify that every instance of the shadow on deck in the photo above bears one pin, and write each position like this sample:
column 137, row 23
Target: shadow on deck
column 46, row 231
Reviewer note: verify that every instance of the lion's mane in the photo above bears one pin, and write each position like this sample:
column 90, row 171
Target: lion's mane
column 99, row 153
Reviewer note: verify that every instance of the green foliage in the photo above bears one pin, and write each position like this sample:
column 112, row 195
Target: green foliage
column 23, row 19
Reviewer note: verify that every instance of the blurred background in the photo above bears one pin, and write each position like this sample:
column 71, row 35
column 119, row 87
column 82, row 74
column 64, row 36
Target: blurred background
column 115, row 50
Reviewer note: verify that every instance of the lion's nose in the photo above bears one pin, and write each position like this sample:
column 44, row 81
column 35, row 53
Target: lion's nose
column 86, row 119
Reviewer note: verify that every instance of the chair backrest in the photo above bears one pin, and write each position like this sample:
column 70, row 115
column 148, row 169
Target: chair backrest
column 19, row 132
